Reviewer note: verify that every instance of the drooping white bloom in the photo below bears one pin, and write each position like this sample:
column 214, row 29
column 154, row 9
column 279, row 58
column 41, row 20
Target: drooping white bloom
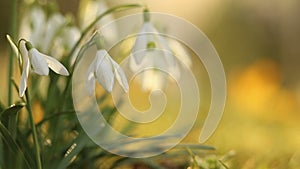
column 104, row 69
column 147, row 39
column 39, row 62
column 142, row 55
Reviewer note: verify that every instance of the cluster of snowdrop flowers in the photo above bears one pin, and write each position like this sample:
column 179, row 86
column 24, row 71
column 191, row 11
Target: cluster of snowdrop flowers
column 39, row 62
column 104, row 69
column 49, row 31
column 143, row 55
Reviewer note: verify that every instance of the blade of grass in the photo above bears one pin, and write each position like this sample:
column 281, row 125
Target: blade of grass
column 10, row 142
column 223, row 164
column 195, row 146
column 23, row 143
column 51, row 117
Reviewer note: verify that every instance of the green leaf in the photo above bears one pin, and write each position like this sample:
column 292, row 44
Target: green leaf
column 223, row 164
column 13, row 109
column 195, row 146
column 2, row 107
column 70, row 155
column 10, row 142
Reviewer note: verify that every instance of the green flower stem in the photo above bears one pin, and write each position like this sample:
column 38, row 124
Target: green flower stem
column 34, row 132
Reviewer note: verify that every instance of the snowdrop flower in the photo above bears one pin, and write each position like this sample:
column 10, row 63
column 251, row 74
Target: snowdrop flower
column 148, row 40
column 104, row 69
column 39, row 62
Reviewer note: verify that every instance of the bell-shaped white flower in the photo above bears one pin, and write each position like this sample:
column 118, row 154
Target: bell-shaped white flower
column 40, row 64
column 104, row 69
column 148, row 40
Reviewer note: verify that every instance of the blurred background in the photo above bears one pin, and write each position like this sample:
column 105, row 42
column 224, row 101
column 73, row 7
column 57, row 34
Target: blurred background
column 259, row 45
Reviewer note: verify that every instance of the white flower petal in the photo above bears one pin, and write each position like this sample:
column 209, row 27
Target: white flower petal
column 56, row 66
column 153, row 80
column 168, row 54
column 54, row 23
column 138, row 48
column 120, row 75
column 132, row 64
column 35, row 22
column 169, row 57
column 104, row 72
column 180, row 52
column 143, row 37
column 12, row 44
column 23, row 49
column 24, row 77
column 38, row 62
column 70, row 36
column 90, row 79
column 148, row 27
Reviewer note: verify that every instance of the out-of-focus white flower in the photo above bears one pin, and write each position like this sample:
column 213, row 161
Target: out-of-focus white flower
column 46, row 32
column 39, row 62
column 70, row 36
column 32, row 25
column 104, row 69
column 54, row 24
column 65, row 43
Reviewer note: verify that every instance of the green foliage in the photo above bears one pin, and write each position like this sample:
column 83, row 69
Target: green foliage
column 12, row 144
column 12, row 110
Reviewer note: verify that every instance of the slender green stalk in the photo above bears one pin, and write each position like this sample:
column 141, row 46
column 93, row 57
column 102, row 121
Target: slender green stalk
column 34, row 132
